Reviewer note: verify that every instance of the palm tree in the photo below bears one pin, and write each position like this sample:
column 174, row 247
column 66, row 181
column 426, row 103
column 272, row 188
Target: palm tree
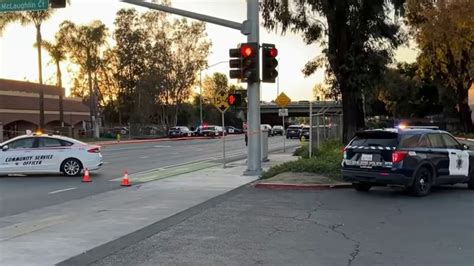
column 35, row 18
column 84, row 44
column 57, row 52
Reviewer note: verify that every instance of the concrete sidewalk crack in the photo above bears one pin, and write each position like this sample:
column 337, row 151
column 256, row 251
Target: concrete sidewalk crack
column 279, row 230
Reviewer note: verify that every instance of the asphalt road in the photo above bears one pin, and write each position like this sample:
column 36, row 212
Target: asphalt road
column 333, row 227
column 23, row 193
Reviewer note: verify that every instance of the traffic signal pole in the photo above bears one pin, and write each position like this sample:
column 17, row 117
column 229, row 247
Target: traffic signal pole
column 254, row 152
column 250, row 27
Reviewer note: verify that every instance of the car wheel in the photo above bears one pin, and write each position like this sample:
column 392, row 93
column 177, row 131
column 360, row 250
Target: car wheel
column 71, row 167
column 362, row 187
column 422, row 183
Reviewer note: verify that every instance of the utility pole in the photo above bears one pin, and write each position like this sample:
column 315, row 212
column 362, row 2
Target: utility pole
column 200, row 98
column 250, row 27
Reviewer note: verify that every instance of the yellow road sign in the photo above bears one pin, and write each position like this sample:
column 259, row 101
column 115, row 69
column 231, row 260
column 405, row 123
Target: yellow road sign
column 220, row 101
column 282, row 100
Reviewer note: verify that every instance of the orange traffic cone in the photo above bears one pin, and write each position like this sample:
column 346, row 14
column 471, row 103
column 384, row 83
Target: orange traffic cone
column 125, row 182
column 86, row 177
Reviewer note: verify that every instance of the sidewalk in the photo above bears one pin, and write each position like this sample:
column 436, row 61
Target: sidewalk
column 56, row 233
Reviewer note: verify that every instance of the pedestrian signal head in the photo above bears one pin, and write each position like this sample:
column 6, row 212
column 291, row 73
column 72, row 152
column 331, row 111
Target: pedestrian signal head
column 234, row 99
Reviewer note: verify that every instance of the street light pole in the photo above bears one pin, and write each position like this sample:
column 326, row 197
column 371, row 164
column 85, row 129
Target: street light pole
column 200, row 97
column 278, row 78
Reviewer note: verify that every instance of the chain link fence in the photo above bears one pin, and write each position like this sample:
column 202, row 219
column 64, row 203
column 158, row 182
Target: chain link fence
column 325, row 126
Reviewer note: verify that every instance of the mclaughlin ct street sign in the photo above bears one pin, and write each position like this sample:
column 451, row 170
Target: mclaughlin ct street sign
column 23, row 5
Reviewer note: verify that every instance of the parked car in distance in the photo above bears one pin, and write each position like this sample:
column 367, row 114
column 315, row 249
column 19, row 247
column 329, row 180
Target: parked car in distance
column 220, row 131
column 179, row 131
column 267, row 127
column 233, row 130
column 277, row 130
column 113, row 132
column 207, row 131
column 304, row 132
column 293, row 131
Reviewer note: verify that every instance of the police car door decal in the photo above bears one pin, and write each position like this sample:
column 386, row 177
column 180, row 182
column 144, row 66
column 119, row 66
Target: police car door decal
column 458, row 162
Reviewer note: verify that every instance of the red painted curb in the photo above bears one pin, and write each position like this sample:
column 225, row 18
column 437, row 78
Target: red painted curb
column 301, row 186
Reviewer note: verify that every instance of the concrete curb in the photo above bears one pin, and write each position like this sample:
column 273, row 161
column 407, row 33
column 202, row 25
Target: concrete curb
column 283, row 186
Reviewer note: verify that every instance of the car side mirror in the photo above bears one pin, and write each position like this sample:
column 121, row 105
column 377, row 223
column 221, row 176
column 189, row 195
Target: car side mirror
column 5, row 147
column 465, row 147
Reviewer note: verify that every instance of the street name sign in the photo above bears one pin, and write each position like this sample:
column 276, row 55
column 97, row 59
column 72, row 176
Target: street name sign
column 282, row 112
column 282, row 100
column 23, row 5
column 220, row 101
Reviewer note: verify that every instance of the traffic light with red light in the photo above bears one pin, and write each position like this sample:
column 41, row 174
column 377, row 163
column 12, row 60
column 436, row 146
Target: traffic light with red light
column 234, row 99
column 269, row 63
column 57, row 3
column 244, row 62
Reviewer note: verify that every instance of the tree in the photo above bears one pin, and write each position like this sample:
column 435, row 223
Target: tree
column 84, row 44
column 57, row 52
column 130, row 37
column 321, row 92
column 360, row 41
column 211, row 85
column 35, row 18
column 158, row 62
column 175, row 52
column 402, row 94
column 444, row 32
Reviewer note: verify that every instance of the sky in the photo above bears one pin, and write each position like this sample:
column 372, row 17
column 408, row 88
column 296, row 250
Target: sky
column 18, row 58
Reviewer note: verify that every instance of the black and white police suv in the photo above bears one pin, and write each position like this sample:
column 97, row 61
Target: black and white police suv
column 37, row 153
column 414, row 157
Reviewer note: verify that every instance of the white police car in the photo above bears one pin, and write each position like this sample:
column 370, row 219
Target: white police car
column 37, row 153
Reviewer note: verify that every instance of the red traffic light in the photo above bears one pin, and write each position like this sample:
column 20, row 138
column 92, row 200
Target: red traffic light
column 231, row 99
column 246, row 51
column 273, row 52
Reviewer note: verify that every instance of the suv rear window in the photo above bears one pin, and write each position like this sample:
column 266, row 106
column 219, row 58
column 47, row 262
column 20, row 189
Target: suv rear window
column 409, row 140
column 377, row 139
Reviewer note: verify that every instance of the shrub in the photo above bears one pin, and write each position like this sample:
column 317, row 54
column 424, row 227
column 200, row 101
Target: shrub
column 326, row 161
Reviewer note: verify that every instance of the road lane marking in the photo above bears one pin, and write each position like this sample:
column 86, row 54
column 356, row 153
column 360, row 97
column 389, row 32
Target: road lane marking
column 161, row 146
column 144, row 157
column 62, row 190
